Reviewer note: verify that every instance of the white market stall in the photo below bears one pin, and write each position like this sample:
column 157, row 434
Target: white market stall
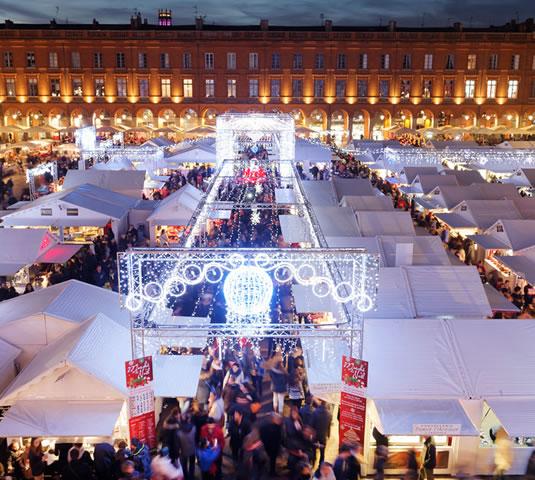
column 385, row 223
column 127, row 182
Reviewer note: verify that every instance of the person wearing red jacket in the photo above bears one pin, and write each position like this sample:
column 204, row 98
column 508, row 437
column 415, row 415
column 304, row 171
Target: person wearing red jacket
column 213, row 434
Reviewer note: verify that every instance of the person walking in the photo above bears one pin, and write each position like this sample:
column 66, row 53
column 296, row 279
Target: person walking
column 186, row 435
column 104, row 459
column 321, row 422
column 239, row 428
column 37, row 459
column 430, row 458
column 271, row 436
column 346, row 465
column 279, row 385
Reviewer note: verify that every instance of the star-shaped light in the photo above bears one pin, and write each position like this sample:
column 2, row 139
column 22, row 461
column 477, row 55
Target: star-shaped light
column 255, row 217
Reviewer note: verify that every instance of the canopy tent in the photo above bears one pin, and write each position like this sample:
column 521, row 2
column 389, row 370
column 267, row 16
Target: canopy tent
column 202, row 130
column 517, row 415
column 294, row 229
column 423, row 184
column 71, row 419
column 174, row 210
column 522, row 177
column 498, row 302
column 370, row 244
column 82, row 206
column 352, row 186
column 285, row 196
column 394, row 298
column 526, row 207
column 465, row 177
column 336, row 221
column 32, row 321
column 8, row 355
column 385, row 223
column 159, row 142
column 368, row 203
column 423, row 250
column 488, row 242
column 86, row 364
column 194, row 153
column 310, row 153
column 515, row 235
column 320, row 193
column 116, row 163
column 407, row 416
column 125, row 182
column 22, row 247
column 166, row 381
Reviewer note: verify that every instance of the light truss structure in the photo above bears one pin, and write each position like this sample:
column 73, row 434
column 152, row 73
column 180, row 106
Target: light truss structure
column 153, row 280
column 144, row 158
column 235, row 131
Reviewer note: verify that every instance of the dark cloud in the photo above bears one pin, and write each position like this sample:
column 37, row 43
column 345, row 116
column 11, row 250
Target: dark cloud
column 303, row 12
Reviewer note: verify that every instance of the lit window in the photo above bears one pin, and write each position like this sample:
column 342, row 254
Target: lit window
column 187, row 84
column 77, row 89
column 493, row 61
column 405, row 89
column 428, row 61
column 275, row 88
column 55, row 87
column 512, row 89
column 97, row 60
column 32, row 87
column 491, row 88
column 515, row 62
column 362, row 88
column 449, row 88
column 253, row 88
column 30, row 59
column 209, row 61
column 8, row 59
column 427, row 90
column 99, row 87
column 53, row 59
column 231, row 61
column 209, row 88
column 471, row 62
column 231, row 88
column 469, row 88
column 385, row 61
column 120, row 60
column 363, row 61
column 407, row 62
column 10, row 87
column 166, row 87
column 121, row 87
column 253, row 61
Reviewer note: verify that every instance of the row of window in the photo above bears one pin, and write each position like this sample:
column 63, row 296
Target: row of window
column 275, row 88
column 276, row 63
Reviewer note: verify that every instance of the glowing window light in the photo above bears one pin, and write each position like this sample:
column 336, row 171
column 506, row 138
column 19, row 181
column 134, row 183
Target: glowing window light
column 248, row 291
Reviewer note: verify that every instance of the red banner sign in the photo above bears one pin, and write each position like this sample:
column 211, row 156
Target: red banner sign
column 142, row 421
column 353, row 400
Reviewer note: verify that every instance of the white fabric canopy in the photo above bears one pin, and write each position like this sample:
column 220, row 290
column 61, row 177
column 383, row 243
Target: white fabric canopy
column 402, row 416
column 337, row 221
column 522, row 265
column 176, row 375
column 285, row 195
column 385, row 223
column 320, row 193
column 497, row 301
column 61, row 419
column 294, row 229
column 177, row 208
column 516, row 415
column 393, row 296
column 376, row 203
column 128, row 182
column 352, row 186
column 426, row 250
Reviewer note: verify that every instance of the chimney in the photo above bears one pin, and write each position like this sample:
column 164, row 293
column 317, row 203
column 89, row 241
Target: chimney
column 392, row 24
column 328, row 25
column 199, row 22
column 458, row 26
column 264, row 24
column 164, row 17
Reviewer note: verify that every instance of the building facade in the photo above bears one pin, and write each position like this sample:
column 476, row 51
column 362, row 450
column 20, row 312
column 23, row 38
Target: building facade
column 352, row 80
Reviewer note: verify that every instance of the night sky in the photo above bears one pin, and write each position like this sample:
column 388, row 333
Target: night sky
column 408, row 13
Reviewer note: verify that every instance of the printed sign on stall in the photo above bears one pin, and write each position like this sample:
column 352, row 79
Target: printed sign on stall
column 353, row 400
column 428, row 429
column 142, row 422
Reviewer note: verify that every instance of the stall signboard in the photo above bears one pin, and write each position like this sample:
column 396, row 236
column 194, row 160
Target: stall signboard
column 353, row 400
column 142, row 422
column 439, row 429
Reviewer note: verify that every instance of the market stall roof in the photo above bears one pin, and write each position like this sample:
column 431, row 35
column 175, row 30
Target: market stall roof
column 166, row 381
column 32, row 321
column 197, row 152
column 517, row 415
column 285, row 196
column 526, row 207
column 352, row 186
column 385, row 223
column 516, row 235
column 506, row 372
column 370, row 244
column 368, row 203
column 497, row 301
column 294, row 229
column 408, row 174
column 125, row 182
column 488, row 242
column 336, row 221
column 21, row 247
column 484, row 213
column 455, row 220
column 201, row 130
column 407, row 416
column 177, row 208
column 393, row 296
column 320, row 193
column 52, row 418
column 159, row 142
column 426, row 250
column 465, row 177
column 98, row 206
column 116, row 163
column 522, row 177
column 86, row 364
column 426, row 183
column 449, row 196
column 310, row 152
column 8, row 355
column 522, row 265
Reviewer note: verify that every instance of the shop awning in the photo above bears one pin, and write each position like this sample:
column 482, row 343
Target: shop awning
column 176, row 375
column 59, row 253
column 55, row 418
column 426, row 204
column 294, row 229
column 522, row 265
column 423, row 417
column 285, row 195
column 10, row 269
column 488, row 242
column 497, row 301
column 455, row 220
column 517, row 416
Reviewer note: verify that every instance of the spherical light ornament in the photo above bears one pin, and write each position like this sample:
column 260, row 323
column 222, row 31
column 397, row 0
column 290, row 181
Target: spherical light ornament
column 283, row 273
column 248, row 291
column 213, row 273
column 133, row 303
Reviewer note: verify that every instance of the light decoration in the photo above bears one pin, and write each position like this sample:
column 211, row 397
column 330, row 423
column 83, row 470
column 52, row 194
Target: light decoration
column 255, row 217
column 86, row 138
column 42, row 169
column 248, row 291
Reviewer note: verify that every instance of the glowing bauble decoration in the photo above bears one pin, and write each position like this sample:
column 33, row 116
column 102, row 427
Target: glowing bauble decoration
column 248, row 291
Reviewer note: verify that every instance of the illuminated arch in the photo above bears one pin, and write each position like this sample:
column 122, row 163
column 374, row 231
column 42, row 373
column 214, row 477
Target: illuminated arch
column 124, row 118
column 144, row 118
column 209, row 116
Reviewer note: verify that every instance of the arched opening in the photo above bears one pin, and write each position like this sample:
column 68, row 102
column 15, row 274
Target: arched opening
column 488, row 119
column 338, row 126
column 79, row 118
column 379, row 122
column 424, row 119
column 102, row 118
column 36, row 118
column 359, row 127
column 299, row 117
column 467, row 119
column 14, row 117
column 403, row 118
column 529, row 119
column 509, row 119
column 188, row 119
column 124, row 118
column 444, row 119
column 145, row 118
column 209, row 117
column 167, row 118
column 317, row 121
column 58, row 119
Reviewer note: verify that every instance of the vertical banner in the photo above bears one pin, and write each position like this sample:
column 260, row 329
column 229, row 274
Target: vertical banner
column 141, row 418
column 353, row 400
